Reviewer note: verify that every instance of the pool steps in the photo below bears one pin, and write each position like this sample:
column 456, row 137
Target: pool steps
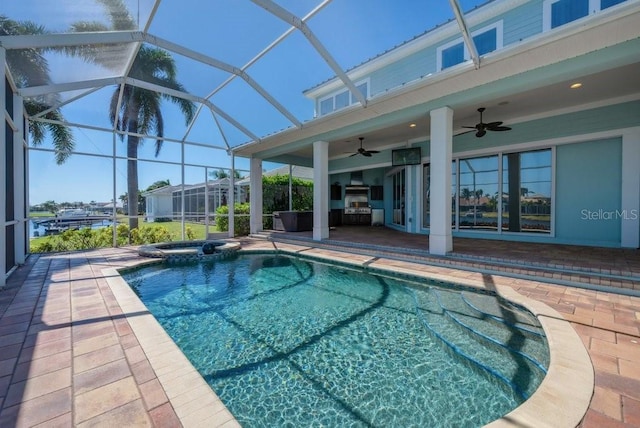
column 482, row 351
column 502, row 337
column 531, row 329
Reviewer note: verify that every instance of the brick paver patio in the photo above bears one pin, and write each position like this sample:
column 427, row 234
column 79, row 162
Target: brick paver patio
column 72, row 349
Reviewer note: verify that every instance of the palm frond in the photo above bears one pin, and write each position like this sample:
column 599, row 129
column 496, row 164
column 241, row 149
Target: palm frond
column 119, row 15
column 63, row 141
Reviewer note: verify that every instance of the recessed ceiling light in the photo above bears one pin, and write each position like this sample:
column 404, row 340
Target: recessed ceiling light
column 576, row 85
column 412, row 125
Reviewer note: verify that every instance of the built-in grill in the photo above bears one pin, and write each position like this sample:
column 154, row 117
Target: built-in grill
column 356, row 200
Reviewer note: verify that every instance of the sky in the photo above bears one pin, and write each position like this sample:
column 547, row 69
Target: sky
column 231, row 31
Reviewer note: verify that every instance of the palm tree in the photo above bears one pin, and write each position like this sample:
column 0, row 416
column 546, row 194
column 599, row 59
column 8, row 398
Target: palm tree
column 221, row 173
column 29, row 68
column 158, row 184
column 140, row 109
column 465, row 194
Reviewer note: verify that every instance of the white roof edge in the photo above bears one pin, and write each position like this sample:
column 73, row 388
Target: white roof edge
column 431, row 37
column 320, row 124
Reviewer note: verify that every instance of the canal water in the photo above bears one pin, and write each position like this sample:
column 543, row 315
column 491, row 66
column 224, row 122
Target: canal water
column 36, row 229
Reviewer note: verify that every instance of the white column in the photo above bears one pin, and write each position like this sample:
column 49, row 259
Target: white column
column 255, row 196
column 20, row 201
column 231, row 197
column 440, row 240
column 3, row 167
column 630, row 206
column 320, row 190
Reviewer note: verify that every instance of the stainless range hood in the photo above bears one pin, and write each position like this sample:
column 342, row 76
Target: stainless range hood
column 356, row 178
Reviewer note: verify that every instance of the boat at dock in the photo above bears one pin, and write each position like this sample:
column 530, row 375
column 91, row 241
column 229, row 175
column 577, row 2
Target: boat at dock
column 70, row 219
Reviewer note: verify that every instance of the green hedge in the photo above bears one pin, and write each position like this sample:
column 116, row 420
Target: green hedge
column 84, row 239
column 241, row 223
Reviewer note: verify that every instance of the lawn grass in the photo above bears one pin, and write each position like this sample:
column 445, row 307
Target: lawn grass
column 175, row 228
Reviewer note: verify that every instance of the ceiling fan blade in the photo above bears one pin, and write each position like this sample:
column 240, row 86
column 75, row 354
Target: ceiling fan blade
column 355, row 154
column 373, row 151
column 500, row 128
column 492, row 124
column 481, row 133
column 367, row 154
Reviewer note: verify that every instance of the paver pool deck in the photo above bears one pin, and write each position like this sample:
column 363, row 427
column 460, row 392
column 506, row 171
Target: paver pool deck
column 77, row 348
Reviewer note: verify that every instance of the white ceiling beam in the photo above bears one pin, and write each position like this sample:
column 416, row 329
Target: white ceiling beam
column 64, row 103
column 468, row 40
column 70, row 39
column 178, row 94
column 126, row 133
column 252, row 61
column 290, row 18
column 205, row 59
column 35, row 91
column 272, row 45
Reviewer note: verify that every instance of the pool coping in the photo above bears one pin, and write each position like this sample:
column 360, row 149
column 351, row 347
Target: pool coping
column 188, row 250
column 562, row 399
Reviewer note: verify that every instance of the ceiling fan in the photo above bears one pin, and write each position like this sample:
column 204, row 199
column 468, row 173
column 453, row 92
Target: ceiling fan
column 482, row 128
column 362, row 151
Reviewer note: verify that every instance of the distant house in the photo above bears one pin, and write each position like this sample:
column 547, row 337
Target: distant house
column 159, row 203
column 107, row 207
column 166, row 202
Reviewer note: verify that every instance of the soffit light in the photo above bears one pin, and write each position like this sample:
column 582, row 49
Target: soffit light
column 576, row 85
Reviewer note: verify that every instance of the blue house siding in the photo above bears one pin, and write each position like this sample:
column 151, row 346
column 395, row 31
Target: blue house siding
column 588, row 192
column 413, row 67
column 522, row 22
column 518, row 24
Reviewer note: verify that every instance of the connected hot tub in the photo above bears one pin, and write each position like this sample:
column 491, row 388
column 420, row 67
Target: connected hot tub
column 190, row 250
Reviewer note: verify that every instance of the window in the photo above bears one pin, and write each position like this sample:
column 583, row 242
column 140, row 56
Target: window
column 478, row 193
column 342, row 99
column 426, row 196
column 560, row 12
column 398, row 180
column 526, row 191
column 564, row 11
column 487, row 39
column 364, row 90
column 326, row 106
column 486, row 42
column 608, row 3
column 452, row 55
column 480, row 200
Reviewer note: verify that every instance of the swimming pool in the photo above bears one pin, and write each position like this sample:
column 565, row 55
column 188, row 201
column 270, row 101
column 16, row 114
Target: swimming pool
column 286, row 341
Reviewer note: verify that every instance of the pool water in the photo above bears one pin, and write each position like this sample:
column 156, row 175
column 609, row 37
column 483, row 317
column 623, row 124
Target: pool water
column 286, row 341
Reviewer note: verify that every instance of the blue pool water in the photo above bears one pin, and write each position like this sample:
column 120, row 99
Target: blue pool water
column 291, row 342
